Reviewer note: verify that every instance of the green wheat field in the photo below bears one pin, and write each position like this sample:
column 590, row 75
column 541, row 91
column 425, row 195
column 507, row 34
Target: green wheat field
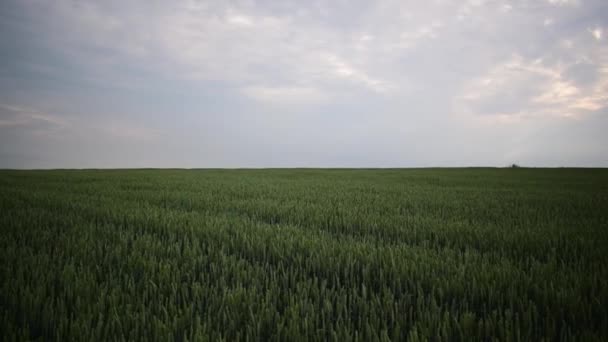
column 304, row 254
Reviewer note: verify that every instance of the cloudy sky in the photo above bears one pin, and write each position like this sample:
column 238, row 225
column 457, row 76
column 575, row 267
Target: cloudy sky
column 303, row 83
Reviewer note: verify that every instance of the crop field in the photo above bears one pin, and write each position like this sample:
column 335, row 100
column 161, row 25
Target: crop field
column 304, row 254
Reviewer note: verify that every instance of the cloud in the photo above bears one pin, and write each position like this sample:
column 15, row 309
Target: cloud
column 240, row 20
column 288, row 96
column 342, row 69
column 530, row 88
column 16, row 116
column 567, row 79
column 369, row 80
column 596, row 33
column 563, row 2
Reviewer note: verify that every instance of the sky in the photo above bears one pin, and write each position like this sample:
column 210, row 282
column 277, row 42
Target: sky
column 121, row 84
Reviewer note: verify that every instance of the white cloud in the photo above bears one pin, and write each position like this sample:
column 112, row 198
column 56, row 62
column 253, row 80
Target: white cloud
column 596, row 33
column 240, row 20
column 343, row 69
column 528, row 88
column 22, row 116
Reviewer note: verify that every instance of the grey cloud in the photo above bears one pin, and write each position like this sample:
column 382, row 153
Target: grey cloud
column 19, row 117
column 292, row 83
column 582, row 74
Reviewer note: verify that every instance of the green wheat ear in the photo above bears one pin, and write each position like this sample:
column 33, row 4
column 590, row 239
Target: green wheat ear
column 304, row 255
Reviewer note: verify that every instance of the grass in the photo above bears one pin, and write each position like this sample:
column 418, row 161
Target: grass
column 304, row 254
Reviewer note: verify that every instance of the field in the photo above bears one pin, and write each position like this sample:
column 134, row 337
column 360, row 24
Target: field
column 304, row 254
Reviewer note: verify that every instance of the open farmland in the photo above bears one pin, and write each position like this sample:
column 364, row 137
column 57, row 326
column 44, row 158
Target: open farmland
column 304, row 254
